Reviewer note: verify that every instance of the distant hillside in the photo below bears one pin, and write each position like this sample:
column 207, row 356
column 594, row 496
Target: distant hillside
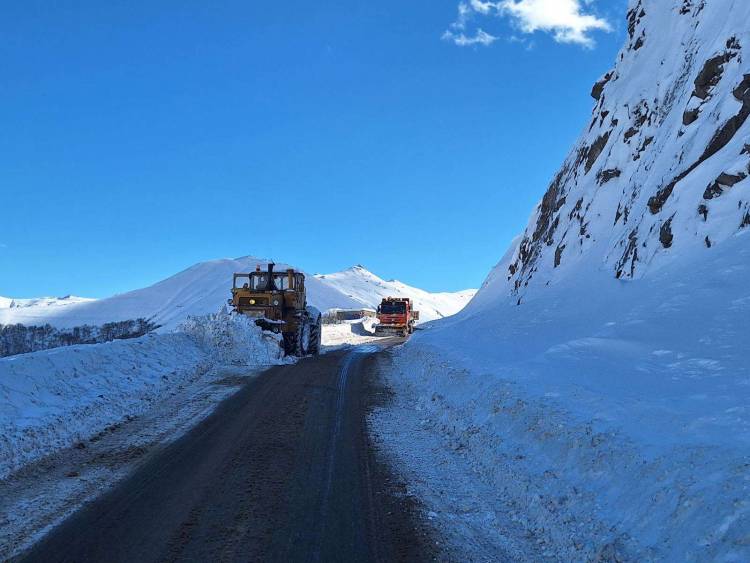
column 368, row 289
column 201, row 289
column 205, row 287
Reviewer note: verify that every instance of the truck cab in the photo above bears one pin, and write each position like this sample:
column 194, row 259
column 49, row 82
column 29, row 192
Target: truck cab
column 396, row 317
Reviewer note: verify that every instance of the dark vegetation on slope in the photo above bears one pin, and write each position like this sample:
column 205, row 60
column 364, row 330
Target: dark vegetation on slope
column 21, row 339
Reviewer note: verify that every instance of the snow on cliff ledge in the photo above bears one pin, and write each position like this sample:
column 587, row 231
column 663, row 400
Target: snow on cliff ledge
column 662, row 168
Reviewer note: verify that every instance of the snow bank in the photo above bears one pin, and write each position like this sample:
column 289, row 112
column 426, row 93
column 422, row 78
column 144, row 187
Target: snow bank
column 360, row 331
column 234, row 340
column 603, row 414
column 54, row 398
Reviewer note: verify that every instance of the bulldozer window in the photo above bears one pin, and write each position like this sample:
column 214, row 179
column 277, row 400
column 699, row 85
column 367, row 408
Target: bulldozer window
column 282, row 282
column 241, row 281
column 259, row 282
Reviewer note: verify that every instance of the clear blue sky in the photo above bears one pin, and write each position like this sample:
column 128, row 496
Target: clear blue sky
column 141, row 137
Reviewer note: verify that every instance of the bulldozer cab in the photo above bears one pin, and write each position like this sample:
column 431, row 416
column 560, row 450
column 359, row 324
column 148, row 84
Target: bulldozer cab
column 259, row 281
column 268, row 294
column 278, row 302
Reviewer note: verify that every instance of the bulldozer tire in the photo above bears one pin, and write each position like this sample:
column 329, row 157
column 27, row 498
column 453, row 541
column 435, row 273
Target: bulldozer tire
column 291, row 342
column 313, row 347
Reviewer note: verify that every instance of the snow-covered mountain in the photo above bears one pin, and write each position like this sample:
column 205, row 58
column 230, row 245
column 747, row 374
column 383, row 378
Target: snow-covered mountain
column 661, row 171
column 204, row 288
column 368, row 289
column 201, row 289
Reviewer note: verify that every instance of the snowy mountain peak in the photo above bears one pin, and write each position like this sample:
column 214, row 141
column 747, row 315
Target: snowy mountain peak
column 204, row 288
column 663, row 168
column 252, row 259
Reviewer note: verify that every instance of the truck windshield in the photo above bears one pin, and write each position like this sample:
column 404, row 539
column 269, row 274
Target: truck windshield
column 391, row 308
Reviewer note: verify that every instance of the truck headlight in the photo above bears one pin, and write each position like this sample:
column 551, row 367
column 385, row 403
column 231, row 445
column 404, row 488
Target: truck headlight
column 275, row 301
column 252, row 302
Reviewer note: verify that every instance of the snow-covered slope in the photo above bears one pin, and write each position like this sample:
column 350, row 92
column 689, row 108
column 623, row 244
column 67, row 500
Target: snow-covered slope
column 368, row 290
column 661, row 171
column 593, row 396
column 602, row 416
column 8, row 303
column 204, row 288
column 53, row 398
column 199, row 290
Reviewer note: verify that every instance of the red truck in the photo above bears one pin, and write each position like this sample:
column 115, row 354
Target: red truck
column 396, row 317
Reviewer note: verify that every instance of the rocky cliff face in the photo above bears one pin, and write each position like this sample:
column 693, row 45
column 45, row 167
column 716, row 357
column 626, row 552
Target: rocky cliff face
column 662, row 168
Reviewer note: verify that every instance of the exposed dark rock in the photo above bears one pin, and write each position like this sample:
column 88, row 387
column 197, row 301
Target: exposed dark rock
column 734, row 44
column 708, row 242
column 733, row 124
column 576, row 209
column 646, row 142
column 640, row 42
column 560, row 203
column 629, row 256
column 711, row 73
column 605, row 176
column 656, row 202
column 530, row 248
column 690, row 116
column 703, row 210
column 641, row 116
column 596, row 91
column 713, row 190
column 718, row 142
column 730, row 180
column 709, row 76
column 558, row 254
column 622, row 212
column 665, row 233
column 634, row 18
column 745, row 221
column 595, row 150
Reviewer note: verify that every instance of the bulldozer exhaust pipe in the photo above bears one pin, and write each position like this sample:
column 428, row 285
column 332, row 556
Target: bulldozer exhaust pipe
column 270, row 285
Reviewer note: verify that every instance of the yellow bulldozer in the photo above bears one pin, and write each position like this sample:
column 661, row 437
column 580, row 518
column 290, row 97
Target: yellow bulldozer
column 278, row 303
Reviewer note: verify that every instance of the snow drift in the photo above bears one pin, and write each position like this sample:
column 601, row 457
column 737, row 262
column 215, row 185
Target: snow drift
column 55, row 398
